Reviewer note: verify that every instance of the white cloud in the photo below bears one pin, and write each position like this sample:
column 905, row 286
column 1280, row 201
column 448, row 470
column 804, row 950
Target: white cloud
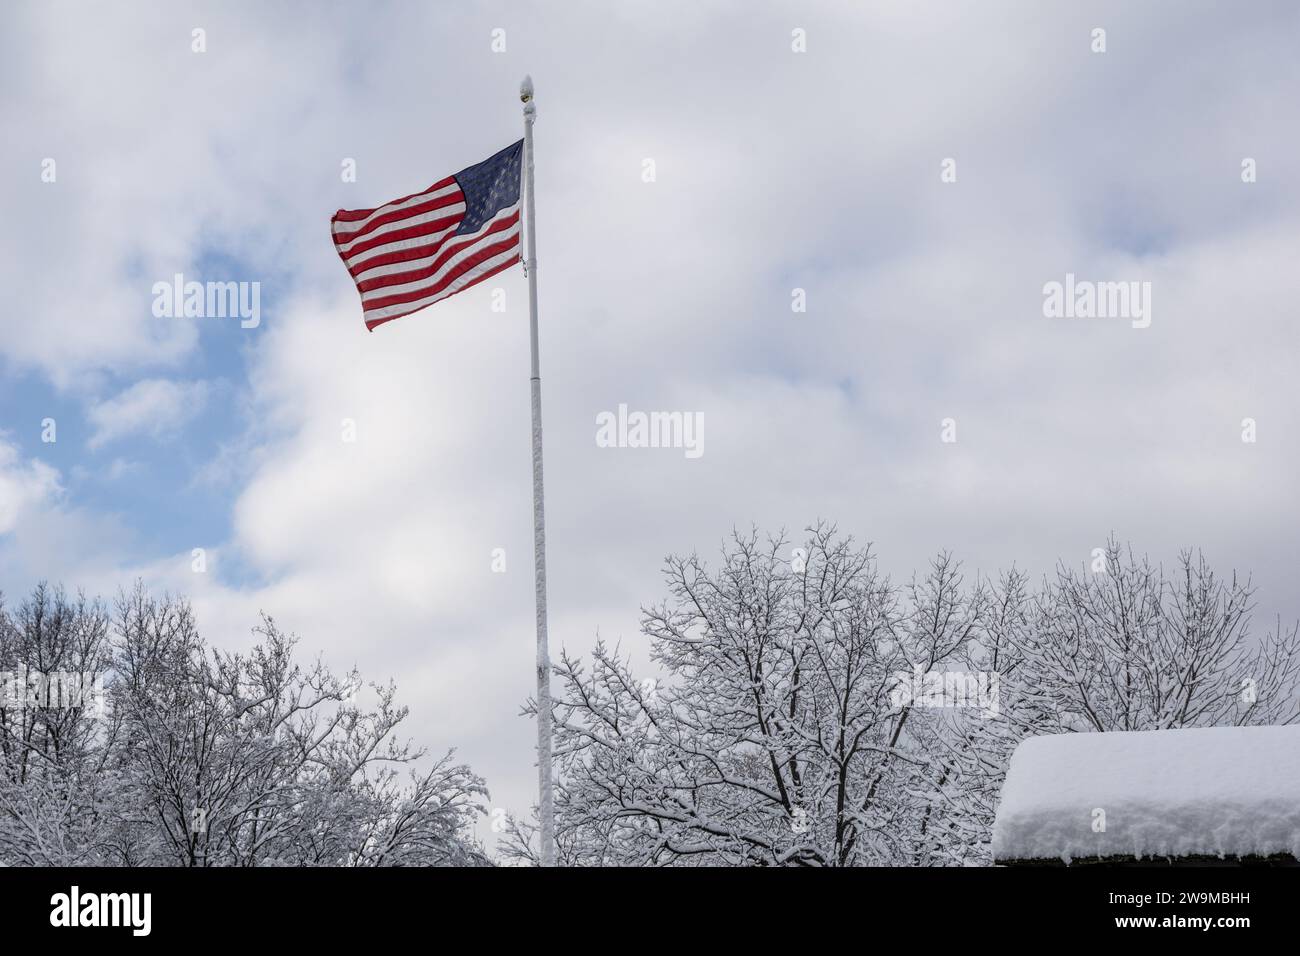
column 24, row 485
column 153, row 406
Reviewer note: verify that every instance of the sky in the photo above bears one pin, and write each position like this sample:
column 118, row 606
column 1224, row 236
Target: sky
column 914, row 173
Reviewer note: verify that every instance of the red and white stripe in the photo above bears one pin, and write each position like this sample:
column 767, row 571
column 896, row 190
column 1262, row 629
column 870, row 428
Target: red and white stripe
column 403, row 256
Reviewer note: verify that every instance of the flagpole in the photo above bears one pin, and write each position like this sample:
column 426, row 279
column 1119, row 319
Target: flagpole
column 546, row 801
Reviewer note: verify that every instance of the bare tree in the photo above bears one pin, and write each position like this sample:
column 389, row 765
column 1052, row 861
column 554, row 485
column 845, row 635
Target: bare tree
column 774, row 740
column 1118, row 646
column 778, row 735
column 207, row 758
column 50, row 754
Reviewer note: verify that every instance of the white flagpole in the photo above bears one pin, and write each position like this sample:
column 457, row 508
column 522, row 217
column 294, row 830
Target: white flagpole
column 546, row 802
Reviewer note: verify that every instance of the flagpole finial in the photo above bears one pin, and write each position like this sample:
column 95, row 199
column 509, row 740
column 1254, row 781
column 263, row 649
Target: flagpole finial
column 526, row 90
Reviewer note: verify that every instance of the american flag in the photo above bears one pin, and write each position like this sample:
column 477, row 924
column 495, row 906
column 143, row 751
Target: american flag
column 420, row 249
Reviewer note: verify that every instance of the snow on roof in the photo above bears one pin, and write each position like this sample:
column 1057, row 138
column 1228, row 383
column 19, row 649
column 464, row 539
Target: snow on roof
column 1217, row 791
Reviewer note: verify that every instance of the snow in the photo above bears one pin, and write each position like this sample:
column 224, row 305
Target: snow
column 1217, row 791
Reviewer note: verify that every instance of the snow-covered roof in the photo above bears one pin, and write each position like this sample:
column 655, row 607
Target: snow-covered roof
column 1215, row 791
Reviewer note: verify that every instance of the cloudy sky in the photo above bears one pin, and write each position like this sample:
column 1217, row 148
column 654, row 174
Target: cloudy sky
column 774, row 170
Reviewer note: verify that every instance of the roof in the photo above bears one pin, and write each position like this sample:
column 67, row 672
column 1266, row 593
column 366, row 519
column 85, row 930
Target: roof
column 1214, row 791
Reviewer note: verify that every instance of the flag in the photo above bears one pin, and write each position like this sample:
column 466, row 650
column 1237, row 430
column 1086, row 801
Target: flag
column 420, row 249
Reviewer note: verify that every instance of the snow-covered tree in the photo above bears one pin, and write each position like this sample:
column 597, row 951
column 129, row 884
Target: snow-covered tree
column 774, row 738
column 1122, row 645
column 206, row 758
column 777, row 732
